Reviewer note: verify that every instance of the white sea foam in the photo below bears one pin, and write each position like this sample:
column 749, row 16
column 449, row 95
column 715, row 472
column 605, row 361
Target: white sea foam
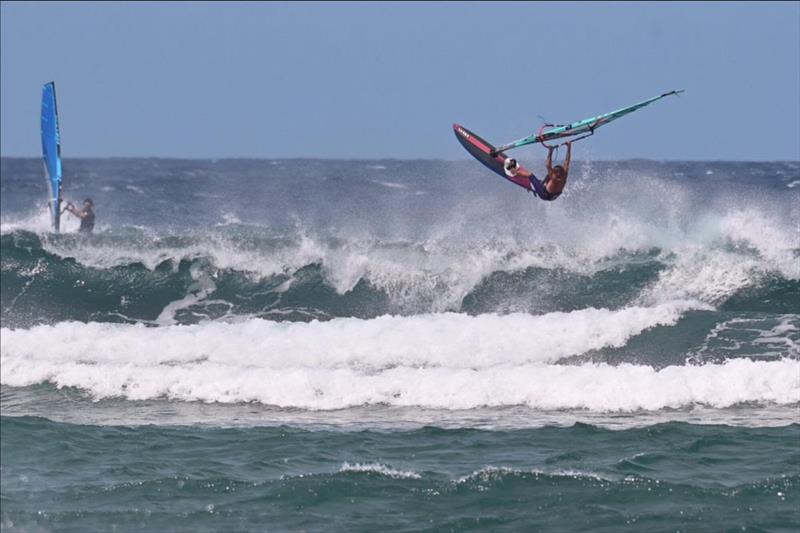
column 37, row 221
column 447, row 361
column 229, row 219
column 441, row 340
column 710, row 276
column 489, row 474
column 724, row 254
column 222, row 252
column 377, row 468
column 390, row 184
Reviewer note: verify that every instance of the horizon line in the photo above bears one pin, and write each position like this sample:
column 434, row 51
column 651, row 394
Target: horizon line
column 399, row 159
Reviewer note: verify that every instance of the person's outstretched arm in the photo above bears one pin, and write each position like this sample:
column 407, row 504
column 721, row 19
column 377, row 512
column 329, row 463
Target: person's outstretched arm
column 569, row 156
column 75, row 211
column 550, row 150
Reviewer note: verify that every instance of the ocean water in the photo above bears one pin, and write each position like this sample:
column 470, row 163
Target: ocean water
column 361, row 345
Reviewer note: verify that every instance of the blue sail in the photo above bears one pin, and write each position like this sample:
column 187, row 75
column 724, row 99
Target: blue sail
column 51, row 151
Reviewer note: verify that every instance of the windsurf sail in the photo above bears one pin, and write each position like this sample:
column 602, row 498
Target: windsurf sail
column 583, row 127
column 51, row 151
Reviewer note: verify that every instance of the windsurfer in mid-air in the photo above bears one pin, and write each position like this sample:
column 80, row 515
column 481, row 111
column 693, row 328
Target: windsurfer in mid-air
column 553, row 185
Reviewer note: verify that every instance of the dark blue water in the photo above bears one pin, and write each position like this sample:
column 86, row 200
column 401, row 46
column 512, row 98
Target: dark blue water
column 405, row 345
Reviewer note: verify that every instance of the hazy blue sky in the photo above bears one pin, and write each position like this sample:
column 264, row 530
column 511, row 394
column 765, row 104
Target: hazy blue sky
column 374, row 80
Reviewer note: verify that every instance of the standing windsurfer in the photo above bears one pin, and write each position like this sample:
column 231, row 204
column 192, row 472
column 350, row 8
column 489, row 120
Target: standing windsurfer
column 86, row 215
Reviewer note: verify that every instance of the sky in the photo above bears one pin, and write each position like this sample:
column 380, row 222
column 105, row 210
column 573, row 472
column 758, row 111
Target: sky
column 388, row 80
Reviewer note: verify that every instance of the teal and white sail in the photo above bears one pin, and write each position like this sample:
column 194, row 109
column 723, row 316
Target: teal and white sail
column 581, row 127
column 51, row 151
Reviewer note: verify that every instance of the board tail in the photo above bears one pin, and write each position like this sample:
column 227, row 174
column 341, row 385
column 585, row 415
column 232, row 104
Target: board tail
column 481, row 150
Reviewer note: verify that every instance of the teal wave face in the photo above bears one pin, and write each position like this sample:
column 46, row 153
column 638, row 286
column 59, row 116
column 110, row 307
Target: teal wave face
column 667, row 476
column 133, row 280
